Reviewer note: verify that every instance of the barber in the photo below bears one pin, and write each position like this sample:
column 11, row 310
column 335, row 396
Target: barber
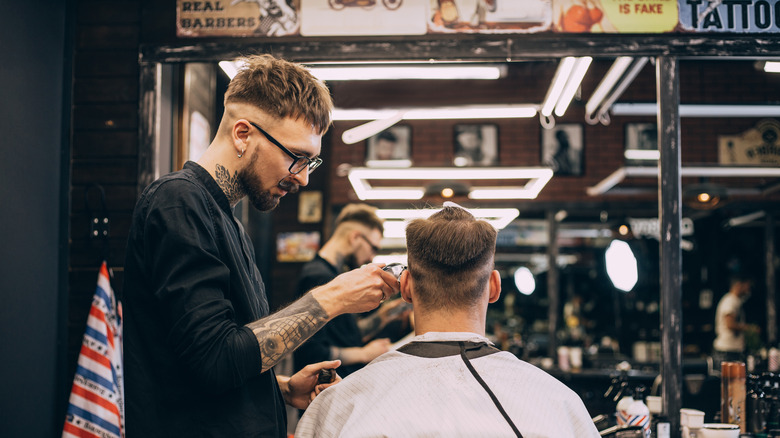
column 200, row 342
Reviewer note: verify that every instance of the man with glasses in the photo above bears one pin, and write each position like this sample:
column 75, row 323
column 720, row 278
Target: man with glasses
column 200, row 342
column 355, row 242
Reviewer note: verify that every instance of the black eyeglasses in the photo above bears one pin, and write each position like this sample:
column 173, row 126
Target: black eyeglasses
column 373, row 247
column 300, row 162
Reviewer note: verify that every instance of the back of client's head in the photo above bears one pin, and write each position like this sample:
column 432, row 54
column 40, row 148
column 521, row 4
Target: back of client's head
column 450, row 258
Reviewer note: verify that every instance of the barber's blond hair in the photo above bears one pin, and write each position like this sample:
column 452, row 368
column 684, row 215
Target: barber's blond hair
column 362, row 214
column 282, row 89
column 450, row 257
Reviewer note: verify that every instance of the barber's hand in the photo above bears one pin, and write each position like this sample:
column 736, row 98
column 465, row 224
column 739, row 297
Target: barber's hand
column 301, row 388
column 357, row 291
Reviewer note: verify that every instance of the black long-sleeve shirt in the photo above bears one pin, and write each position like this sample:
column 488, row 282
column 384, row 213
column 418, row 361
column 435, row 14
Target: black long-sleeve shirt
column 191, row 284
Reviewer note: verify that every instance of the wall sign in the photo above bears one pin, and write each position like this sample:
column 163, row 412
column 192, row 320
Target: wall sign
column 756, row 146
column 279, row 18
column 730, row 16
column 237, row 18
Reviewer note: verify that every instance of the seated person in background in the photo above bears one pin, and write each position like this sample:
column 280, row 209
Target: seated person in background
column 444, row 382
column 347, row 337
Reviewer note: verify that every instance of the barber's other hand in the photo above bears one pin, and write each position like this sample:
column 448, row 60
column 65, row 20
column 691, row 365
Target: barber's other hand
column 375, row 348
column 301, row 388
column 356, row 291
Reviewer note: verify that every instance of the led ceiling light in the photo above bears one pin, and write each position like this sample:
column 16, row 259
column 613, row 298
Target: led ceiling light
column 378, row 71
column 580, row 68
column 537, row 178
column 772, row 66
column 622, row 173
column 397, row 219
column 564, row 85
column 444, row 112
column 395, row 72
column 382, row 119
column 614, row 83
column 690, row 110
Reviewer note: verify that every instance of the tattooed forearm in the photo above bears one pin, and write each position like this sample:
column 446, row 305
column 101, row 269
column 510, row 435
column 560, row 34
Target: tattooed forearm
column 229, row 184
column 285, row 330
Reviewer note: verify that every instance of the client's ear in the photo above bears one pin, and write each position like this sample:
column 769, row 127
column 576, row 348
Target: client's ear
column 495, row 286
column 406, row 286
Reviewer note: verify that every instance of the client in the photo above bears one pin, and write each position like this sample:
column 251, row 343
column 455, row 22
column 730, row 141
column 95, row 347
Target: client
column 449, row 380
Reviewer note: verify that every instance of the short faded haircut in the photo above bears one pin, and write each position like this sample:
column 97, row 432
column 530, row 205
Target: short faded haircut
column 362, row 214
column 450, row 257
column 282, row 89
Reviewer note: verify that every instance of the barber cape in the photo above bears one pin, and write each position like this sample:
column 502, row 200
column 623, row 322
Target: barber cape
column 407, row 395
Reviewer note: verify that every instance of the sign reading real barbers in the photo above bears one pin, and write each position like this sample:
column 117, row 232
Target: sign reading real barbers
column 280, row 18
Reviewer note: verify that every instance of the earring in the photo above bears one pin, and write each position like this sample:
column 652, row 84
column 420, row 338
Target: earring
column 241, row 154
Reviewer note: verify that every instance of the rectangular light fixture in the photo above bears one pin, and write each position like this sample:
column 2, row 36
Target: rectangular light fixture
column 537, row 178
column 622, row 173
column 691, row 110
column 437, row 113
column 378, row 71
column 642, row 154
column 566, row 80
column 395, row 72
column 396, row 219
column 580, row 68
column 772, row 66
column 612, row 86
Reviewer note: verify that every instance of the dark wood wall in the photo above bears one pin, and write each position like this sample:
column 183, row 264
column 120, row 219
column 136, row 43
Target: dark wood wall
column 105, row 148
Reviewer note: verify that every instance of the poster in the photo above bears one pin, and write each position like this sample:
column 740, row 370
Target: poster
column 489, row 16
column 615, row 16
column 363, row 17
column 237, row 18
column 757, row 146
column 297, row 246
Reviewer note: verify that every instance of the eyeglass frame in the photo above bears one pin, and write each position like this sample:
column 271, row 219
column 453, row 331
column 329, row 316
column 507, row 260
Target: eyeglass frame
column 374, row 248
column 311, row 163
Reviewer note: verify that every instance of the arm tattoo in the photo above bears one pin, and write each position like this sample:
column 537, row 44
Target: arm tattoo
column 285, row 330
column 229, row 184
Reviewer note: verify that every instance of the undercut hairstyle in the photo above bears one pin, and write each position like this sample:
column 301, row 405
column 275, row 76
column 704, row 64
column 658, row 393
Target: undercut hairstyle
column 282, row 89
column 360, row 214
column 450, row 257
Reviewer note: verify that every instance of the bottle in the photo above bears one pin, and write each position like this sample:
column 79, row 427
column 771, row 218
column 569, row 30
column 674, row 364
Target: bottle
column 638, row 414
column 732, row 393
column 755, row 405
column 622, row 407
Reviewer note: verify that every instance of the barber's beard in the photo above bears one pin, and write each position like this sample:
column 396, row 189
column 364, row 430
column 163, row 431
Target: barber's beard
column 251, row 183
column 350, row 262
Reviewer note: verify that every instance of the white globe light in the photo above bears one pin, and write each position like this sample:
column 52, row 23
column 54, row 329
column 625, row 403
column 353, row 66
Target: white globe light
column 524, row 280
column 621, row 265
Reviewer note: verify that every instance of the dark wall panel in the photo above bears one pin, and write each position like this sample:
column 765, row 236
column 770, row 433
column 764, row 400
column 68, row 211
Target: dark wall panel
column 35, row 47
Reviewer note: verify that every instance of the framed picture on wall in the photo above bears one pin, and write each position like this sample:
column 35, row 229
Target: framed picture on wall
column 390, row 148
column 563, row 149
column 641, row 144
column 297, row 246
column 476, row 145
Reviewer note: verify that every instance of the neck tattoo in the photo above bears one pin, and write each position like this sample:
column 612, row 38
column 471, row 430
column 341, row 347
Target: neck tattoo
column 229, row 184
